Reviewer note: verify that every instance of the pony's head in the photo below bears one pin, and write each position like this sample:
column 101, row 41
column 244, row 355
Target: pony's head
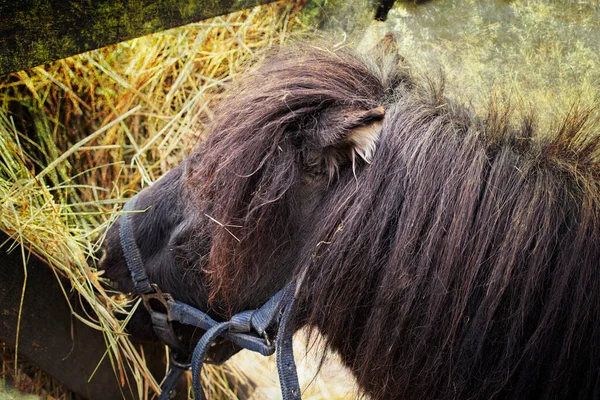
column 222, row 231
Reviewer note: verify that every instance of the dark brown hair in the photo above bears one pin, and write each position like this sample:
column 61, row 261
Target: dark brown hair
column 463, row 263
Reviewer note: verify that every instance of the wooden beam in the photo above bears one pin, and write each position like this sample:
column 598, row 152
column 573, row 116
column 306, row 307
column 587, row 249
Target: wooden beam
column 34, row 32
column 52, row 338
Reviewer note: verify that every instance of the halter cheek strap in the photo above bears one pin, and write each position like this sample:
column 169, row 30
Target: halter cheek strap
column 132, row 254
column 247, row 329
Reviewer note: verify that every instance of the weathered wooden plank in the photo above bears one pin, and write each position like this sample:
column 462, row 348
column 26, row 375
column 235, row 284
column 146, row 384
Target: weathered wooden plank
column 54, row 340
column 33, row 32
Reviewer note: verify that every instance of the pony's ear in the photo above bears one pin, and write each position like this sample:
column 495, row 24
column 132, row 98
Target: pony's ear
column 362, row 130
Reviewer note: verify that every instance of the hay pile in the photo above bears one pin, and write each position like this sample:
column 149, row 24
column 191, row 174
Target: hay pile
column 79, row 135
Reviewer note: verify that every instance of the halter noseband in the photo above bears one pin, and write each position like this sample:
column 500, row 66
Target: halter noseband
column 247, row 329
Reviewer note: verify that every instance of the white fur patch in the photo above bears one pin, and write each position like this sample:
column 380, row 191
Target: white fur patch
column 365, row 138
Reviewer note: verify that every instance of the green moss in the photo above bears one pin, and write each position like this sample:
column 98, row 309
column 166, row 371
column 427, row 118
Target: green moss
column 547, row 53
column 7, row 393
column 338, row 16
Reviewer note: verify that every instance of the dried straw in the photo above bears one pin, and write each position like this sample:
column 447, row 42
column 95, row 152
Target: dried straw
column 80, row 134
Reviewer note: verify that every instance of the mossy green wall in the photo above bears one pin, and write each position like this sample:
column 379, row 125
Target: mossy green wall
column 543, row 52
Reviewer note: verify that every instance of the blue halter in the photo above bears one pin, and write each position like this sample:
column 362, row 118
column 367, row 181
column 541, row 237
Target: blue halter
column 248, row 329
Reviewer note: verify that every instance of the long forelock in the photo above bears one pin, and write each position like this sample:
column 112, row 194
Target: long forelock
column 243, row 177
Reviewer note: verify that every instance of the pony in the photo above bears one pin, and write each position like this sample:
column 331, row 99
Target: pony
column 442, row 254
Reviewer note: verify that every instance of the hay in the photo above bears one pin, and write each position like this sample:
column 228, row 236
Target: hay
column 79, row 135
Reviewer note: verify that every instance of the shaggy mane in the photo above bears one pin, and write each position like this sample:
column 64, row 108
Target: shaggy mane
column 463, row 262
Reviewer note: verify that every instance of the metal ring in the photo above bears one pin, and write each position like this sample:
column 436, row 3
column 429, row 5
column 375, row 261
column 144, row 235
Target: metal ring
column 178, row 364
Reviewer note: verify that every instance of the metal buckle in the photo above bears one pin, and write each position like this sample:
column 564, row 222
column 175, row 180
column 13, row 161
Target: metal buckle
column 162, row 298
